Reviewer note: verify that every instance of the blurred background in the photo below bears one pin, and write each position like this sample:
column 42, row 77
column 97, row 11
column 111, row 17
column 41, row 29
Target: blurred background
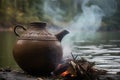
column 97, row 20
column 25, row 11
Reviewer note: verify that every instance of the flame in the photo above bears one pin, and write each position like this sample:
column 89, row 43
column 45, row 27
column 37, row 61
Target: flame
column 64, row 73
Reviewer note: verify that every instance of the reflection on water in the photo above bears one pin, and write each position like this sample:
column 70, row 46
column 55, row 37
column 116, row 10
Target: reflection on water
column 104, row 49
column 7, row 40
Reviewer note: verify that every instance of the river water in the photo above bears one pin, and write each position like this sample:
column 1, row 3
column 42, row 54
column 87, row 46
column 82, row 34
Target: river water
column 104, row 50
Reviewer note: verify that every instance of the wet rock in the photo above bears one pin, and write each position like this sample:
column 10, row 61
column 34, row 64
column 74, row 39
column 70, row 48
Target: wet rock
column 7, row 69
column 39, row 79
column 118, row 73
column 14, row 76
column 1, row 69
column 2, row 79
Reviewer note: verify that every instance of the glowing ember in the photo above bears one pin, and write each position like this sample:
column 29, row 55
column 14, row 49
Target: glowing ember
column 64, row 73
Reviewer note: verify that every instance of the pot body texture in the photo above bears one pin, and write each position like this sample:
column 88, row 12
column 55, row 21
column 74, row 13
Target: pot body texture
column 37, row 51
column 37, row 57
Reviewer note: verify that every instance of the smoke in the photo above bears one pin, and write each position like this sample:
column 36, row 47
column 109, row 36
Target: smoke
column 83, row 20
column 108, row 6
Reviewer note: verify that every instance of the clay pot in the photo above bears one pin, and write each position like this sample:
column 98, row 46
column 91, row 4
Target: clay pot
column 37, row 51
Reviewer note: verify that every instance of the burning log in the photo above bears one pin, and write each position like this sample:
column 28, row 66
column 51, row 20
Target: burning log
column 60, row 68
column 78, row 69
column 64, row 73
column 74, row 69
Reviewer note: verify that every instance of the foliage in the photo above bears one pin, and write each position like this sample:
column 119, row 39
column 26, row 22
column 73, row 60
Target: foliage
column 19, row 11
column 25, row 11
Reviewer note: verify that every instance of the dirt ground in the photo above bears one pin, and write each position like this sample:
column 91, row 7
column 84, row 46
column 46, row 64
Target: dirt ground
column 14, row 75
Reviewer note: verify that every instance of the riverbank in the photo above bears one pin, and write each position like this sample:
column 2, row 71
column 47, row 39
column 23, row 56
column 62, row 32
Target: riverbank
column 19, row 75
column 71, row 70
column 6, row 29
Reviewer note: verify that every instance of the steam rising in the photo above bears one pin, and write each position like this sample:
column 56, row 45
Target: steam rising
column 82, row 23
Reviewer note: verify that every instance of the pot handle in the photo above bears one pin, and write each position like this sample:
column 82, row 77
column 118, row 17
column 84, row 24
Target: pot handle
column 15, row 29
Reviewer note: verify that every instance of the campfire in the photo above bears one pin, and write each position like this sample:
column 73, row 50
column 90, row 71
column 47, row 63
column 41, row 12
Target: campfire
column 76, row 69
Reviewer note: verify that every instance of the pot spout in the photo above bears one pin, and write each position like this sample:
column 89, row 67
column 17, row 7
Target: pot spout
column 61, row 34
